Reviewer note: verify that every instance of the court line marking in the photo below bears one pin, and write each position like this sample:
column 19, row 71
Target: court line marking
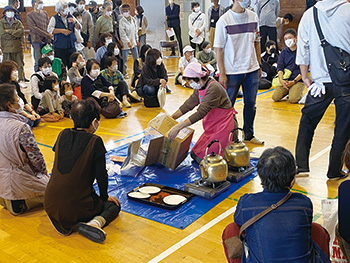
column 216, row 220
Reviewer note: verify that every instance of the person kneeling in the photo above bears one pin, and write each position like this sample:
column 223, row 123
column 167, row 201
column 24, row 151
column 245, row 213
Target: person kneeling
column 79, row 160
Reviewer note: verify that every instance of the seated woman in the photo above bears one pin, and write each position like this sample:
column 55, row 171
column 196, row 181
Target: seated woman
column 294, row 86
column 77, row 70
column 115, row 77
column 67, row 98
column 138, row 64
column 37, row 80
column 112, row 51
column 285, row 234
column 9, row 75
column 79, row 160
column 215, row 109
column 96, row 86
column 153, row 75
column 23, row 176
column 105, row 38
column 187, row 58
column 50, row 108
column 207, row 57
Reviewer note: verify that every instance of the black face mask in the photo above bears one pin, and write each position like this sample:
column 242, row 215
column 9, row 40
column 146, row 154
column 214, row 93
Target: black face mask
column 91, row 10
column 272, row 50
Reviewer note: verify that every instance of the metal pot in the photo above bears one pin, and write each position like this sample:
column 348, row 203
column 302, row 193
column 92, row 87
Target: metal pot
column 236, row 153
column 213, row 167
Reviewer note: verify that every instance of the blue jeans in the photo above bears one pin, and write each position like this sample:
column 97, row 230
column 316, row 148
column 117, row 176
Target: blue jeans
column 250, row 84
column 36, row 54
column 149, row 90
column 125, row 53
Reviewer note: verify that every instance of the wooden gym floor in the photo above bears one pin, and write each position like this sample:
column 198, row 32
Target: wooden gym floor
column 31, row 238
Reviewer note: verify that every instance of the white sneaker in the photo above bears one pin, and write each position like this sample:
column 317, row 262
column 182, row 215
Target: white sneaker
column 22, row 84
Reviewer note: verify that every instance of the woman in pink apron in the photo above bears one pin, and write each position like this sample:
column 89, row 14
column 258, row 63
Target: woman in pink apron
column 215, row 109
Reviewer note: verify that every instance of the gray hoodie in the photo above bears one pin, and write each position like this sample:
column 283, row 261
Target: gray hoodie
column 334, row 17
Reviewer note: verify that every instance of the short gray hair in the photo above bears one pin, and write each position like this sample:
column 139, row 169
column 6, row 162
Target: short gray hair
column 106, row 4
column 60, row 5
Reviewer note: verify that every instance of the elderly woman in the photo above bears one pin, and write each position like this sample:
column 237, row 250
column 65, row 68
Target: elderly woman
column 23, row 176
column 104, row 23
column 79, row 160
column 9, row 75
column 62, row 27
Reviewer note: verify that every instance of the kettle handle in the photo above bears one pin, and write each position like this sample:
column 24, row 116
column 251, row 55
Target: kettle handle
column 210, row 144
column 235, row 129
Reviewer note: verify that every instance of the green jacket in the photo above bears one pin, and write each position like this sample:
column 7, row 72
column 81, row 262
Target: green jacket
column 11, row 36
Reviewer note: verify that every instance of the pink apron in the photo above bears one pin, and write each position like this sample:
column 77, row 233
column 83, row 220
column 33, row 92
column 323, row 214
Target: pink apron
column 217, row 124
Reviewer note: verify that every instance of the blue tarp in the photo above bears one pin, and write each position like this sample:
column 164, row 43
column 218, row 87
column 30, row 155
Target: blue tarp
column 187, row 172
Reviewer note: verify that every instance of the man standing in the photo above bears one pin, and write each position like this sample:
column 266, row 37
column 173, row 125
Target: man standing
column 268, row 11
column 38, row 21
column 95, row 14
column 172, row 17
column 214, row 13
column 238, row 55
column 322, row 91
column 87, row 30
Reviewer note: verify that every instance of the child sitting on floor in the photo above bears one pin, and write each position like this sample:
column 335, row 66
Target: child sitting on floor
column 50, row 107
column 67, row 98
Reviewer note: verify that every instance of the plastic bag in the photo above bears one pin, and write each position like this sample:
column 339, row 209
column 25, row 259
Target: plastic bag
column 330, row 220
column 161, row 96
column 276, row 82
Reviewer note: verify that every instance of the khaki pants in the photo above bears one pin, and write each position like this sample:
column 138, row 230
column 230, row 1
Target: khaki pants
column 295, row 93
column 18, row 58
column 29, row 204
column 211, row 36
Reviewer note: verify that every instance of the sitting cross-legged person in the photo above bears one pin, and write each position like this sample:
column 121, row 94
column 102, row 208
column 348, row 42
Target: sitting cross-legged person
column 285, row 234
column 67, row 98
column 23, row 176
column 70, row 199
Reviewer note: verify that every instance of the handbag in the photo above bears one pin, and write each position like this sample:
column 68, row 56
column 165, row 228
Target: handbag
column 337, row 59
column 235, row 244
column 161, row 95
column 110, row 109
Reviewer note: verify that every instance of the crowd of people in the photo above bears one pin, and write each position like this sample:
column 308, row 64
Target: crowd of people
column 80, row 72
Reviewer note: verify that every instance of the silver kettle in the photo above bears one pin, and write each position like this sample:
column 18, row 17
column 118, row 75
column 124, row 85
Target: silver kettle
column 213, row 167
column 236, row 153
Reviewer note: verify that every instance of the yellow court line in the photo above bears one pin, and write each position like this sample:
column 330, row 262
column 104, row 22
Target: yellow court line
column 99, row 132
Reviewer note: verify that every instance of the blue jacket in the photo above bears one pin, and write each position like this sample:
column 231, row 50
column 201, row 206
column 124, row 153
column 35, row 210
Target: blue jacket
column 61, row 40
column 283, row 235
column 286, row 60
column 173, row 16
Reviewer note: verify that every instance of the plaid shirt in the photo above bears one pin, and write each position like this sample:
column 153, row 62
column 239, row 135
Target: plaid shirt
column 114, row 80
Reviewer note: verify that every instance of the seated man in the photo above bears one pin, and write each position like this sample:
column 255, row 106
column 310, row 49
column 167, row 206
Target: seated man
column 293, row 86
column 79, row 160
column 285, row 234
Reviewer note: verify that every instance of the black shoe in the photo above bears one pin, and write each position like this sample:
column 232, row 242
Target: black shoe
column 168, row 90
column 61, row 230
column 240, row 94
column 172, row 55
column 334, row 178
column 302, row 170
column 26, row 80
column 93, row 233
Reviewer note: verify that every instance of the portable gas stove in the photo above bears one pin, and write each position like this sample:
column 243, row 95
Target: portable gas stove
column 236, row 174
column 207, row 190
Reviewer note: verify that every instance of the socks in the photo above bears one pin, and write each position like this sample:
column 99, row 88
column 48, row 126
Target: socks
column 98, row 221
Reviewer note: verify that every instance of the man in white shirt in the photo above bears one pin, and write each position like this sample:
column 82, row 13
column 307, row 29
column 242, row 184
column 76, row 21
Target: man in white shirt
column 334, row 21
column 238, row 57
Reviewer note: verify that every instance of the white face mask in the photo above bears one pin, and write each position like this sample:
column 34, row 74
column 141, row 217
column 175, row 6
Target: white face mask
column 69, row 93
column 289, row 42
column 10, row 14
column 51, row 57
column 81, row 7
column 126, row 14
column 80, row 21
column 94, row 73
column 244, row 3
column 71, row 9
column 47, row 71
column 1, row 58
column 66, row 11
column 208, row 50
column 195, row 85
column 116, row 51
column 56, row 87
column 81, row 64
column 108, row 13
column 159, row 61
column 40, row 6
column 136, row 13
column 109, row 40
column 21, row 106
column 115, row 68
column 171, row 2
column 197, row 9
column 14, row 75
column 212, row 4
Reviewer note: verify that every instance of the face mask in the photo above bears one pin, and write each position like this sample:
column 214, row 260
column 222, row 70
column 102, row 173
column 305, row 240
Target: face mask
column 109, row 40
column 80, row 21
column 81, row 7
column 91, row 10
column 192, row 56
column 126, row 14
column 159, row 61
column 51, row 57
column 56, row 87
column 116, row 51
column 81, row 64
column 244, row 3
column 196, row 9
column 69, row 93
column 21, row 106
column 1, row 58
column 212, row 4
column 115, row 68
column 47, row 71
column 136, row 13
column 40, row 6
column 10, row 14
column 289, row 42
column 208, row 50
column 71, row 9
column 195, row 85
column 66, row 11
column 171, row 2
column 108, row 13
column 286, row 23
column 94, row 73
column 272, row 50
column 14, row 75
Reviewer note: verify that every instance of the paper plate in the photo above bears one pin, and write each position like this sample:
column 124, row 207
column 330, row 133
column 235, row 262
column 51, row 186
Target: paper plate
column 174, row 199
column 197, row 40
column 139, row 195
column 149, row 190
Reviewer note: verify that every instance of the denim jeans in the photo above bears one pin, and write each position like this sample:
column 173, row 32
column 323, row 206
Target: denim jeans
column 312, row 114
column 250, row 84
column 149, row 90
column 125, row 54
column 36, row 54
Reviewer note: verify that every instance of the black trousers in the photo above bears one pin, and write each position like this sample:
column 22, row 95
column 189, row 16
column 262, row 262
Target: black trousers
column 177, row 31
column 121, row 90
column 193, row 45
column 64, row 54
column 110, row 211
column 267, row 31
column 312, row 114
